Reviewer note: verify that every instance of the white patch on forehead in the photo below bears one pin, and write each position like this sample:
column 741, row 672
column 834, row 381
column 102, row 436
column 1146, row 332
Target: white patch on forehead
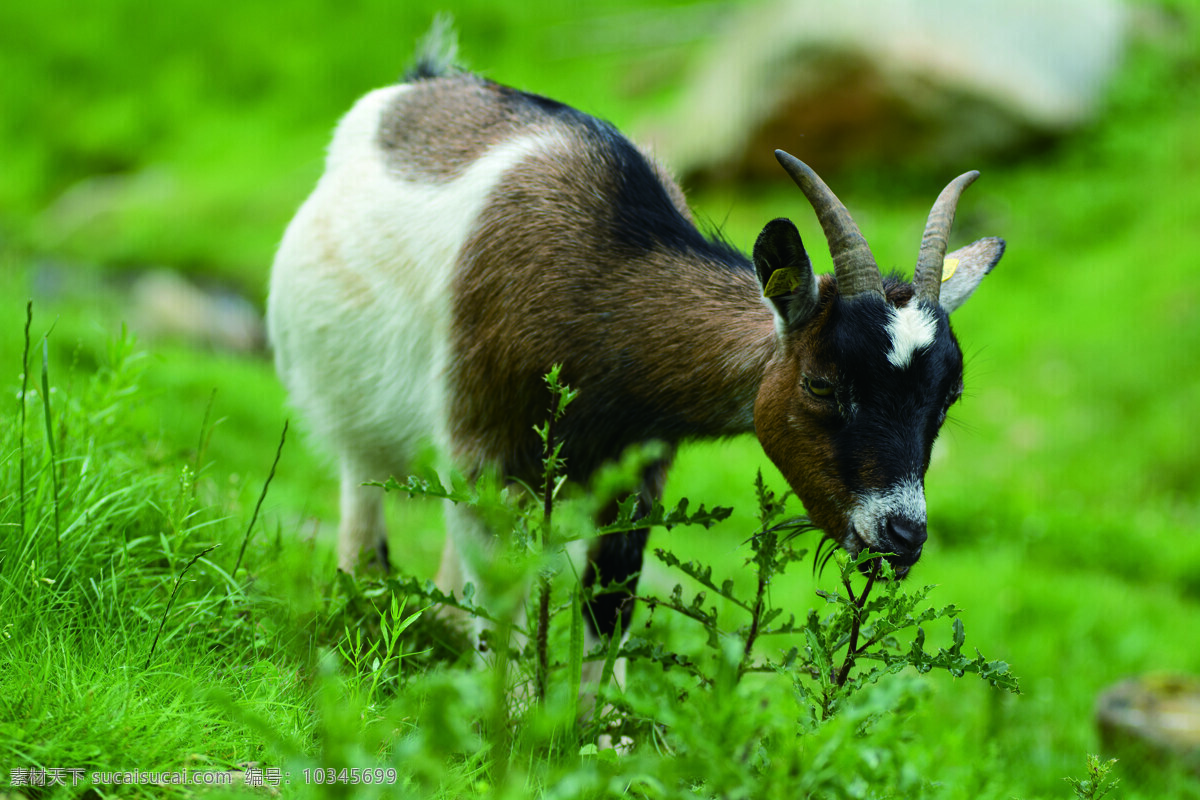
column 905, row 500
column 909, row 329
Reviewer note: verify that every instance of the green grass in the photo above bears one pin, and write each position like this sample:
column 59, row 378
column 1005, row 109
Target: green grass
column 1063, row 497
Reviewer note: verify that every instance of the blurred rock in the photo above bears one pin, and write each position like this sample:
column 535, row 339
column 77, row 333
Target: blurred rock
column 167, row 305
column 1151, row 720
column 932, row 83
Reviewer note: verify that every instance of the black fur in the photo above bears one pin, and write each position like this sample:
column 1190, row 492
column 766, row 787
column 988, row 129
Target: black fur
column 615, row 558
column 424, row 69
column 645, row 218
column 880, row 394
column 779, row 246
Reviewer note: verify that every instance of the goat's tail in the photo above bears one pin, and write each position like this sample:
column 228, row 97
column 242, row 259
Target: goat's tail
column 437, row 52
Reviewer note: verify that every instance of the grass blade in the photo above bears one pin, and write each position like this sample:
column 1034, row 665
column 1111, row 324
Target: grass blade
column 171, row 600
column 50, row 444
column 24, row 392
column 261, row 497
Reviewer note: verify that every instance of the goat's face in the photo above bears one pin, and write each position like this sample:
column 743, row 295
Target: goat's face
column 849, row 411
column 864, row 373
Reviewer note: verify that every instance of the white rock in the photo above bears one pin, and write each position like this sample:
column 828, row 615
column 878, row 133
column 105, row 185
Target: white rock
column 930, row 79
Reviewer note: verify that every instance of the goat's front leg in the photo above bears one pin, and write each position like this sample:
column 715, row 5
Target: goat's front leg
column 617, row 558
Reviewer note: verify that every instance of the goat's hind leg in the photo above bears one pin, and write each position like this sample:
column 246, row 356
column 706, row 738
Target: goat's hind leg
column 362, row 533
column 470, row 556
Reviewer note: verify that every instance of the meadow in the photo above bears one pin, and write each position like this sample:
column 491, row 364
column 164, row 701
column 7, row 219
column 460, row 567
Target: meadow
column 158, row 612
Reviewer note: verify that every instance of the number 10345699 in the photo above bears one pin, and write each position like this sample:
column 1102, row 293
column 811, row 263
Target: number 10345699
column 353, row 775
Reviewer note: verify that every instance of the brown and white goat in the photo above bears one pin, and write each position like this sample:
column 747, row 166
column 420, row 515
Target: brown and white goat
column 467, row 236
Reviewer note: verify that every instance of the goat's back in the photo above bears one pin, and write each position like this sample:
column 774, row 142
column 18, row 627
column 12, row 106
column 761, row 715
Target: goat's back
column 465, row 237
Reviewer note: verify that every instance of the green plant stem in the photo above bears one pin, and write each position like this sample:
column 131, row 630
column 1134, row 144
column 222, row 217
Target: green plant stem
column 543, row 611
column 764, row 577
column 859, row 603
column 24, row 392
column 543, row 624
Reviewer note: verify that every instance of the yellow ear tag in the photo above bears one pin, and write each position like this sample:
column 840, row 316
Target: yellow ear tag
column 948, row 267
column 781, row 282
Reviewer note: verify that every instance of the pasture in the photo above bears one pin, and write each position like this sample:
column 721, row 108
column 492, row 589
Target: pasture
column 159, row 613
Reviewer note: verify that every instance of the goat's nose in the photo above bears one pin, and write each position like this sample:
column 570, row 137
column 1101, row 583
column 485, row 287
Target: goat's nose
column 907, row 536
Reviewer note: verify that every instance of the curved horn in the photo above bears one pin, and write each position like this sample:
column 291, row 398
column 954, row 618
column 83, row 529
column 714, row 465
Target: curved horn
column 853, row 264
column 928, row 278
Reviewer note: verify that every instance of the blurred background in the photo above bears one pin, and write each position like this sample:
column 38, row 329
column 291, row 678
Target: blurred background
column 151, row 155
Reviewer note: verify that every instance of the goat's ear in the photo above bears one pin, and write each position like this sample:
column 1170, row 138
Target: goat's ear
column 785, row 273
column 963, row 270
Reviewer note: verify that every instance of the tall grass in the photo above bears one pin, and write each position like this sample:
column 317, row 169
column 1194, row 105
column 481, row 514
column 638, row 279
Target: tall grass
column 140, row 648
column 110, row 591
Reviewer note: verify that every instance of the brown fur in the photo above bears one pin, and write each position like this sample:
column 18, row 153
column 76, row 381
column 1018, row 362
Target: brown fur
column 438, row 128
column 791, row 424
column 686, row 340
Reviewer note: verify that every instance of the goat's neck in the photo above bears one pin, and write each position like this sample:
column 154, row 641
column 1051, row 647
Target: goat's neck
column 711, row 348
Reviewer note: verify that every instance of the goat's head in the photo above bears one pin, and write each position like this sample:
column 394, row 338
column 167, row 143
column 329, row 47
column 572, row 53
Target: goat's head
column 865, row 370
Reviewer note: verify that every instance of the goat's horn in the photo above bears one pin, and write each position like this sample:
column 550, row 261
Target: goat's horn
column 928, row 277
column 853, row 264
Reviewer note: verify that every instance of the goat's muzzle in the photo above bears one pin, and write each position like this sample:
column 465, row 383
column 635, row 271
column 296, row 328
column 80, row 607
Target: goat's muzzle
column 901, row 541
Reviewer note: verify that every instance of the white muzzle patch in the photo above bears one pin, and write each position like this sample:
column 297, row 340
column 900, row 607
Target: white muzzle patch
column 905, row 500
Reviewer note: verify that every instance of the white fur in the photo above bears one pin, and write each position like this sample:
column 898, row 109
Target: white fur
column 909, row 329
column 359, row 307
column 905, row 500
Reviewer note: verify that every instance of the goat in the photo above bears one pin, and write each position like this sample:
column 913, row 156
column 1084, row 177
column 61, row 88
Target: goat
column 466, row 236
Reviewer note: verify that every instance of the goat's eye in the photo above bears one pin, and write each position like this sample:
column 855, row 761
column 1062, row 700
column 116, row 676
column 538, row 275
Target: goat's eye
column 818, row 387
